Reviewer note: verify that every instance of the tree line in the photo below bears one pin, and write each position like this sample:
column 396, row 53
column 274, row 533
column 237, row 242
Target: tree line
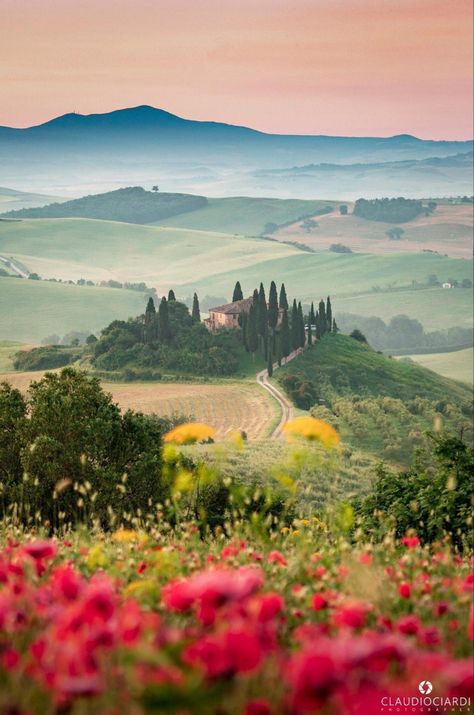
column 274, row 329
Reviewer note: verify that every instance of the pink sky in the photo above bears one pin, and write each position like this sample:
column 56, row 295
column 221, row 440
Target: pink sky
column 351, row 67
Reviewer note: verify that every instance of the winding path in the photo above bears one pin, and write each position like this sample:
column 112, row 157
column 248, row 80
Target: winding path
column 287, row 409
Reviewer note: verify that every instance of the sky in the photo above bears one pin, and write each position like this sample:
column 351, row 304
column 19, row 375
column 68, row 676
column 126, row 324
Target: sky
column 340, row 67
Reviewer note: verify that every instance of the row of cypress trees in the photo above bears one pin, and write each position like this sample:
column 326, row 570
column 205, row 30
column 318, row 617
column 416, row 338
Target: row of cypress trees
column 274, row 330
column 161, row 327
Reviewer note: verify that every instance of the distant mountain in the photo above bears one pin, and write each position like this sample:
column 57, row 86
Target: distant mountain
column 76, row 153
column 131, row 205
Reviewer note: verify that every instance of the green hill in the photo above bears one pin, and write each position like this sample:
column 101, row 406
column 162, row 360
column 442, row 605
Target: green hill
column 133, row 205
column 379, row 404
column 32, row 310
column 248, row 216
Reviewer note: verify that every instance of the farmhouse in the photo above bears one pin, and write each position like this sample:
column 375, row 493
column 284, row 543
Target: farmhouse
column 227, row 316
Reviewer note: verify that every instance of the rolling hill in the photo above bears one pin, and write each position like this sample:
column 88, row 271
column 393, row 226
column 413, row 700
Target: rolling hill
column 32, row 310
column 448, row 230
column 132, row 205
column 11, row 200
column 381, row 405
column 149, row 145
column 211, row 262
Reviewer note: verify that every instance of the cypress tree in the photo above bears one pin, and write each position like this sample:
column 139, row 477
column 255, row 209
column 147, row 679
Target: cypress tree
column 323, row 326
column 150, row 315
column 283, row 302
column 150, row 311
column 196, row 313
column 329, row 314
column 252, row 336
column 317, row 323
column 255, row 297
column 237, row 294
column 273, row 306
column 243, row 319
column 335, row 329
column 285, row 340
column 310, row 333
column 295, row 327
column 278, row 349
column 171, row 296
column 262, row 312
column 164, row 328
column 302, row 332
column 312, row 317
column 270, row 361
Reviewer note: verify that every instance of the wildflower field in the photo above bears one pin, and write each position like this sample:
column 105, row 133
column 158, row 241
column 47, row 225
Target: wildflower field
column 135, row 622
column 225, row 597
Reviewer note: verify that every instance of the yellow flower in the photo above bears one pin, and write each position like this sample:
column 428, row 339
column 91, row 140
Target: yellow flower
column 190, row 432
column 125, row 536
column 139, row 588
column 96, row 558
column 312, row 430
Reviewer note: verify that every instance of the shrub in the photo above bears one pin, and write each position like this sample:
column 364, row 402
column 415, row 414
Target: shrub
column 44, row 358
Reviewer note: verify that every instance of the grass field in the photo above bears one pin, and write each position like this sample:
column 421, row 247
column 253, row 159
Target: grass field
column 31, row 310
column 448, row 230
column 102, row 250
column 458, row 365
column 209, row 263
column 226, row 406
column 245, row 215
column 434, row 308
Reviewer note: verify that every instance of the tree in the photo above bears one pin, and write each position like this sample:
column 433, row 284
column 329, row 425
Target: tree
column 150, row 311
column 164, row 328
column 317, row 323
column 270, row 361
column 13, row 424
column 196, row 313
column 309, row 225
column 310, row 333
column 301, row 328
column 335, row 329
column 328, row 315
column 155, row 188
column 252, row 335
column 395, row 233
column 262, row 313
column 171, row 296
column 80, row 438
column 357, row 335
column 237, row 294
column 255, row 297
column 295, row 327
column 433, row 280
column 283, row 301
column 343, row 209
column 323, row 326
column 150, row 315
column 285, row 339
column 273, row 306
column 91, row 339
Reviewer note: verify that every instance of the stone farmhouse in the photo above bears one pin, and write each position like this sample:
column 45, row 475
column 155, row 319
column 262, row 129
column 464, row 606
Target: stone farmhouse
column 227, row 316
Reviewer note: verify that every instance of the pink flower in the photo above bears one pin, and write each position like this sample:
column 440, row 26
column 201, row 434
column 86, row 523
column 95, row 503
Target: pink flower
column 269, row 604
column 257, row 707
column 351, row 615
column 319, row 602
column 40, row 550
column 410, row 542
column 276, row 557
column 409, row 625
column 404, row 590
column 212, row 589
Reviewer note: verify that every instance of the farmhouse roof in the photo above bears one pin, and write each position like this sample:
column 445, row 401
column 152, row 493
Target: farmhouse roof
column 238, row 306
